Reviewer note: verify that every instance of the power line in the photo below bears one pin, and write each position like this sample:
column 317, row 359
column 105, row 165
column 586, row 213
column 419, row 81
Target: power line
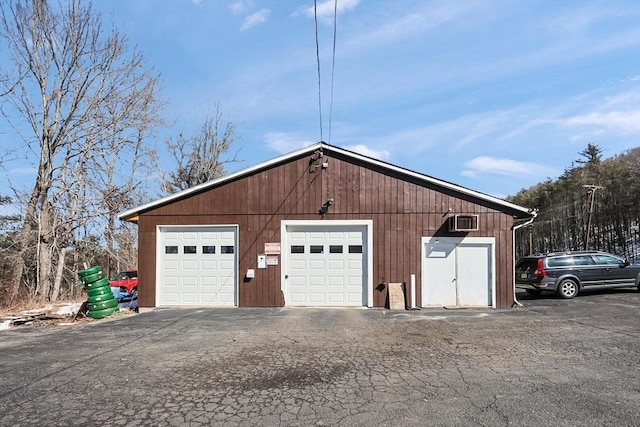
column 333, row 64
column 315, row 18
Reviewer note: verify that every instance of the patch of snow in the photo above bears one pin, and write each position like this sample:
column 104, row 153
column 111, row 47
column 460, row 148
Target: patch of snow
column 35, row 311
column 69, row 309
column 5, row 324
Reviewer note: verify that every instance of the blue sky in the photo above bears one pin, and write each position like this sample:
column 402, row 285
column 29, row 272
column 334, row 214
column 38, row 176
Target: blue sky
column 491, row 95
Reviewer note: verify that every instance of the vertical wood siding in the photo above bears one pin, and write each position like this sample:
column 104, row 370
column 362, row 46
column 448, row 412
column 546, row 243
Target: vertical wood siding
column 403, row 210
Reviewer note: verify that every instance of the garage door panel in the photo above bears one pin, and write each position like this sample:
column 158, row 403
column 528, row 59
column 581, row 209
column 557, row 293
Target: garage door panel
column 321, row 271
column 228, row 265
column 228, row 236
column 171, row 281
column 189, row 265
column 190, row 297
column 336, row 282
column 208, row 297
column 355, row 264
column 227, row 281
column 227, row 298
column 171, row 298
column 355, row 298
column 315, row 236
column 297, row 236
column 297, row 281
column 317, row 297
column 297, row 298
column 336, row 298
column 189, row 281
column 316, row 281
column 354, row 281
column 171, row 265
column 316, row 264
column 208, row 282
column 171, row 237
column 336, row 264
column 298, row 264
column 209, row 265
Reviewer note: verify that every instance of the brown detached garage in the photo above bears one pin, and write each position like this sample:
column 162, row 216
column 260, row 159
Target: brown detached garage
column 324, row 226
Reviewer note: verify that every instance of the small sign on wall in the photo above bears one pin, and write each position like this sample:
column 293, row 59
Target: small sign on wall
column 272, row 260
column 272, row 248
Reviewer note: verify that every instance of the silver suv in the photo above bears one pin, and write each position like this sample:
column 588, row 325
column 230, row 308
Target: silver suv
column 569, row 273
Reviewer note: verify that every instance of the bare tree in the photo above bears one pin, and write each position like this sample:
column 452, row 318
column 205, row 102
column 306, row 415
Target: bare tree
column 81, row 93
column 199, row 157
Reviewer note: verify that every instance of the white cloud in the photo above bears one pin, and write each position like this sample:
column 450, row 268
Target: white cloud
column 241, row 6
column 285, row 142
column 492, row 165
column 625, row 121
column 412, row 24
column 367, row 151
column 256, row 18
column 325, row 10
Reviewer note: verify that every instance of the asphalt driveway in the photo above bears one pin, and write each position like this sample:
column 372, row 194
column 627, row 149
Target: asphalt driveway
column 554, row 362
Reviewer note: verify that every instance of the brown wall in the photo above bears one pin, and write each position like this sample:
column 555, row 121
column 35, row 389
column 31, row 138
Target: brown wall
column 403, row 210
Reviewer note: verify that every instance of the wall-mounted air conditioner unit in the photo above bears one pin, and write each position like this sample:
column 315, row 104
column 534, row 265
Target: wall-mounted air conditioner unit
column 463, row 223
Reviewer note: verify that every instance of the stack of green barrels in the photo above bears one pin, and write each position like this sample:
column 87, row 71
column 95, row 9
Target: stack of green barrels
column 101, row 302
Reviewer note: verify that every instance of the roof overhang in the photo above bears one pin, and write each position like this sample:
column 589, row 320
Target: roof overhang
column 517, row 211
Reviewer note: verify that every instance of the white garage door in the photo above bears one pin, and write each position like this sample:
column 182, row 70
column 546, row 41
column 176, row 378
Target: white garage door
column 458, row 272
column 197, row 266
column 326, row 266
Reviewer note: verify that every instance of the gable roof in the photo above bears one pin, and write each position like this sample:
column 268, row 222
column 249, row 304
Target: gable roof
column 132, row 214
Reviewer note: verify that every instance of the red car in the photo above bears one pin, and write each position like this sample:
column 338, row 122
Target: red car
column 127, row 281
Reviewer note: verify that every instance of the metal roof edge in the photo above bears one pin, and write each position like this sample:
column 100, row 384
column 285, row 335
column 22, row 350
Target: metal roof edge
column 216, row 181
column 432, row 180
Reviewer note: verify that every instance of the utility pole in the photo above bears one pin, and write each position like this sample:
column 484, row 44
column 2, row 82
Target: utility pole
column 592, row 192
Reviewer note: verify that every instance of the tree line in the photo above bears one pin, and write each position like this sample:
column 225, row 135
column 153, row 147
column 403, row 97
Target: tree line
column 84, row 108
column 594, row 204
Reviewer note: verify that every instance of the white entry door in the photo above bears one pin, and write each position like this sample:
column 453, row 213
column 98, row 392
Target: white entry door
column 197, row 265
column 458, row 272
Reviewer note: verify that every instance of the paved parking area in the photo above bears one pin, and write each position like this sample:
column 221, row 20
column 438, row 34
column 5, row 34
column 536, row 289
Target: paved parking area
column 553, row 362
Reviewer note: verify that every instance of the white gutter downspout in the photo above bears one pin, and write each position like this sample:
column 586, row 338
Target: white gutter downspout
column 513, row 242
